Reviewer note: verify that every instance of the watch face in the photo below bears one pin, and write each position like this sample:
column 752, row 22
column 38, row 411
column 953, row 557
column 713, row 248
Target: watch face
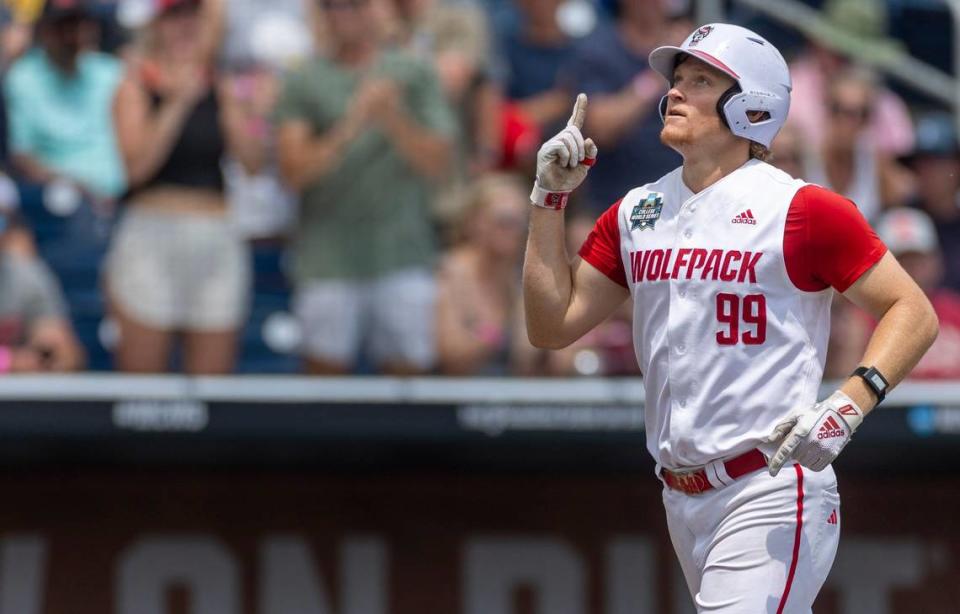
column 877, row 380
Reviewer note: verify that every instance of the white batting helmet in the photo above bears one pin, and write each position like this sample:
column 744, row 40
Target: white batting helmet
column 763, row 80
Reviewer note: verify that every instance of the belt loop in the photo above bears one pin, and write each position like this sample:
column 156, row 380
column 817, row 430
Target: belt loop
column 722, row 474
column 713, row 476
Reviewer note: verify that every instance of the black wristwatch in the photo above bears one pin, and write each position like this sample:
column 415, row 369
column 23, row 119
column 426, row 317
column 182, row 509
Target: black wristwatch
column 875, row 381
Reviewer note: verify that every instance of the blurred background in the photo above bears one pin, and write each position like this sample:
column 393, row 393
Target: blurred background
column 260, row 313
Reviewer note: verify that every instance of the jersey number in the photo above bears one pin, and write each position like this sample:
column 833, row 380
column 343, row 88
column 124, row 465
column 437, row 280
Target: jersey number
column 751, row 311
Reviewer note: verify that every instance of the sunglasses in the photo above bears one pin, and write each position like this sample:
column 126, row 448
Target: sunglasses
column 184, row 9
column 859, row 114
column 787, row 158
column 341, row 5
column 69, row 22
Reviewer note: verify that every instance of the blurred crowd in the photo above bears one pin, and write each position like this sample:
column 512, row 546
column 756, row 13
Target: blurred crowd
column 173, row 169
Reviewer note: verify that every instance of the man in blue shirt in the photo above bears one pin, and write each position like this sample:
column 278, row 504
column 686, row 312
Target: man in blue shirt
column 59, row 98
column 611, row 68
column 535, row 53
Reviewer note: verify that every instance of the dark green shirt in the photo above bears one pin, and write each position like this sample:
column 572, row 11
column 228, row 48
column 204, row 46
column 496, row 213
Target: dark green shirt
column 371, row 214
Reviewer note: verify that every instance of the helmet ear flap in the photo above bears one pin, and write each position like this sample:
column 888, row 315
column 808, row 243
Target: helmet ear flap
column 725, row 97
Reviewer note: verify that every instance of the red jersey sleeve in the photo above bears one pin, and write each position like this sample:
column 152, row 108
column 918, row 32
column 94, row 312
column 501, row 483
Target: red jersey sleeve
column 602, row 246
column 827, row 242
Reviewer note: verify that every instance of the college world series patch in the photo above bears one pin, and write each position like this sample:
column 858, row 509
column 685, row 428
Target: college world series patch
column 646, row 213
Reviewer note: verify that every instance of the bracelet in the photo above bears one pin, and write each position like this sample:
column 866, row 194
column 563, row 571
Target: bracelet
column 547, row 199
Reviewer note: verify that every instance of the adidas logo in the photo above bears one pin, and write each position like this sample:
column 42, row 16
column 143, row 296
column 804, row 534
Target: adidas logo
column 833, row 517
column 830, row 429
column 745, row 217
column 848, row 410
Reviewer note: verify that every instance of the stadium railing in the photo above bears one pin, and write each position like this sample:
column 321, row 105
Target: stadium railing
column 371, row 422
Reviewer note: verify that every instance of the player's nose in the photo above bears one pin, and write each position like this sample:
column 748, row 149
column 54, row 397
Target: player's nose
column 674, row 98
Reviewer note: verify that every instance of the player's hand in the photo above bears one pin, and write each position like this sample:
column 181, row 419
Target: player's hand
column 814, row 436
column 563, row 161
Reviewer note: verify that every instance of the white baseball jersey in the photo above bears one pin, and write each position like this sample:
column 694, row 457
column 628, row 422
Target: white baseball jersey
column 732, row 289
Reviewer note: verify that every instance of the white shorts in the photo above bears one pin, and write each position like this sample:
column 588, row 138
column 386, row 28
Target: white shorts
column 391, row 317
column 761, row 545
column 176, row 271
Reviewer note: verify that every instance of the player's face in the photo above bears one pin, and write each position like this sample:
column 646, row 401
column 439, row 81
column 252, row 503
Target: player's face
column 691, row 116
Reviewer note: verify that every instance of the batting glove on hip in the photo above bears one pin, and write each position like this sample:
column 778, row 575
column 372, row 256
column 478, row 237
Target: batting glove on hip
column 563, row 161
column 814, row 436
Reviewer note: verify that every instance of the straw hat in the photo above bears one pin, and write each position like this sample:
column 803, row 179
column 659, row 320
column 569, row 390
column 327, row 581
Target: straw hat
column 856, row 27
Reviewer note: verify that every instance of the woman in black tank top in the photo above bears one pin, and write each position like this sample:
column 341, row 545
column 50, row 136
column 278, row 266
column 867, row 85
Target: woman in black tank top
column 176, row 267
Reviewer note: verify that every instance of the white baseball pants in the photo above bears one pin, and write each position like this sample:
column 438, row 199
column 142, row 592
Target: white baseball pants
column 762, row 544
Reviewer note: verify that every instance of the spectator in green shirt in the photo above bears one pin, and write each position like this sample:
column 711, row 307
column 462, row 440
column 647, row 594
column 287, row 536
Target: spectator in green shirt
column 362, row 134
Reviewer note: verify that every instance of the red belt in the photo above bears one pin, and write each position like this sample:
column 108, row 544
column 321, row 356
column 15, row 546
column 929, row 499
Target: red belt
column 696, row 482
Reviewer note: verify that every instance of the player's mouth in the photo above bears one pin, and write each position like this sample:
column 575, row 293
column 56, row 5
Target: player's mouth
column 675, row 113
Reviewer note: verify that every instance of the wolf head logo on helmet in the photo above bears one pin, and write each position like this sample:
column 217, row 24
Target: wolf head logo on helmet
column 700, row 34
column 763, row 79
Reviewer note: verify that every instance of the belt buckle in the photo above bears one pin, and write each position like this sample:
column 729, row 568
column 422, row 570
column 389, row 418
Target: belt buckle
column 689, row 481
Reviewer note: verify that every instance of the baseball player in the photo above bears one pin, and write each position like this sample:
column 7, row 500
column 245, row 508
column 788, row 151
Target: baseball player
column 731, row 265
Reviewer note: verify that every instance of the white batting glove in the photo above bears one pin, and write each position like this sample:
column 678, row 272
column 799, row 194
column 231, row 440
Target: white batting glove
column 814, row 436
column 563, row 161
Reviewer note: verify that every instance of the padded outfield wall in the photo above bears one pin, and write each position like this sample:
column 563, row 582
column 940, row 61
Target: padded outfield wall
column 375, row 496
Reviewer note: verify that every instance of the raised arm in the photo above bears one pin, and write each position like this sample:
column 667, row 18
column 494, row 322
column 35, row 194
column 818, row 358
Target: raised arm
column 563, row 298
column 305, row 157
column 147, row 136
column 617, row 112
column 426, row 150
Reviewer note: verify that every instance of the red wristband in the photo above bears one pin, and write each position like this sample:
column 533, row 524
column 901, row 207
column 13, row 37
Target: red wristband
column 547, row 199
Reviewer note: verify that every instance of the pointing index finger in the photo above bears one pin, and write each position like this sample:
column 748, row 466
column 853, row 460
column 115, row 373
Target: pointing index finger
column 579, row 111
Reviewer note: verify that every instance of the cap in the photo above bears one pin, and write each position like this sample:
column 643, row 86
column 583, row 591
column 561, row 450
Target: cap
column 907, row 230
column 856, row 28
column 57, row 10
column 134, row 14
